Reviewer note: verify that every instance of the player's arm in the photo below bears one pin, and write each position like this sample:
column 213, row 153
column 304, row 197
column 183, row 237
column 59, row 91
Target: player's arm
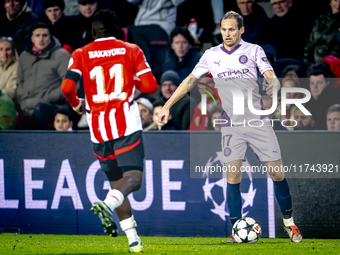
column 68, row 87
column 272, row 80
column 186, row 85
column 147, row 83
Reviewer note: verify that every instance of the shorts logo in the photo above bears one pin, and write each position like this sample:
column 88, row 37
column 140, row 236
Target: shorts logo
column 243, row 59
column 264, row 59
column 227, row 152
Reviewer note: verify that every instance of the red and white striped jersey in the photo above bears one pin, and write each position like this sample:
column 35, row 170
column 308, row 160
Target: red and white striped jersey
column 108, row 66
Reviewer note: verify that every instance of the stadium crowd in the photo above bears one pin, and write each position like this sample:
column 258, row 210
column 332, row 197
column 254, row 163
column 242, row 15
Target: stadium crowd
column 301, row 42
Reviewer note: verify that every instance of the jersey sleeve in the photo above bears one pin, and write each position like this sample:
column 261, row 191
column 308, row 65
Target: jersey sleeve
column 201, row 67
column 75, row 63
column 141, row 65
column 261, row 60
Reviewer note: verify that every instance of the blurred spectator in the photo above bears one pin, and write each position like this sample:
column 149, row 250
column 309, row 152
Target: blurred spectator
column 145, row 111
column 63, row 120
column 125, row 11
column 71, row 8
column 322, row 40
column 55, row 19
column 290, row 81
column 199, row 121
column 183, row 109
column 199, row 19
column 218, row 11
column 323, row 94
column 154, row 22
column 41, row 69
column 271, row 53
column 184, row 58
column 214, row 114
column 156, row 125
column 8, row 66
column 334, row 65
column 17, row 23
column 267, row 103
column 304, row 122
column 285, row 27
column 8, row 113
column 254, row 21
column 80, row 32
column 333, row 117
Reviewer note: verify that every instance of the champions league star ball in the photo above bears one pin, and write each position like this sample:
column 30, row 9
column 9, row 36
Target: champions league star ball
column 246, row 230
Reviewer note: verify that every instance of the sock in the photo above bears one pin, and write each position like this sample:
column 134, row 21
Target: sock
column 283, row 198
column 288, row 222
column 129, row 227
column 114, row 199
column 234, row 202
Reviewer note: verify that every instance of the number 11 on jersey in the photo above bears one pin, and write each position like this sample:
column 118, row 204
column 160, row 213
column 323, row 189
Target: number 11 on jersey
column 116, row 72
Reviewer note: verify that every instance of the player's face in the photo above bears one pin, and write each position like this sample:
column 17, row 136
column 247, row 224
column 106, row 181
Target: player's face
column 12, row 6
column 87, row 10
column 145, row 115
column 168, row 88
column 333, row 121
column 304, row 122
column 335, row 5
column 180, row 45
column 41, row 38
column 62, row 122
column 245, row 6
column 281, row 7
column 317, row 83
column 6, row 53
column 53, row 14
column 290, row 84
column 230, row 33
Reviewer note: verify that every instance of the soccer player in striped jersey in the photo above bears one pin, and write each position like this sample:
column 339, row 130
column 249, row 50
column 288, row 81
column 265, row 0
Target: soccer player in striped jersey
column 233, row 67
column 108, row 66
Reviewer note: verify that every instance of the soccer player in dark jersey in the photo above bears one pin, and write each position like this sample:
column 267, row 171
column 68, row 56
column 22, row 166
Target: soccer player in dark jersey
column 108, row 66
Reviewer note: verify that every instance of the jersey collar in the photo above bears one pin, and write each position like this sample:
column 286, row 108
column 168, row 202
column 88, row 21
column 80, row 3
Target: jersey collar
column 104, row 39
column 233, row 50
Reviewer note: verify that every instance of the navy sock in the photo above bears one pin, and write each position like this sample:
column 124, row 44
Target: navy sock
column 234, row 202
column 283, row 198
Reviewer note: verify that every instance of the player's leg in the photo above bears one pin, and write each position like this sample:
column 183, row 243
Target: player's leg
column 128, row 224
column 233, row 148
column 234, row 199
column 264, row 142
column 283, row 197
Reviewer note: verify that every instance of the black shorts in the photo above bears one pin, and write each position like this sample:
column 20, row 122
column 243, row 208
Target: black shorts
column 120, row 155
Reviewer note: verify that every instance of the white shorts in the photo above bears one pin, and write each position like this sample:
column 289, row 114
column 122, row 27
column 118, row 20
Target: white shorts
column 262, row 140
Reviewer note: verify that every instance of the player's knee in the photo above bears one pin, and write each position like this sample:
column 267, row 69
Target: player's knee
column 134, row 179
column 135, row 183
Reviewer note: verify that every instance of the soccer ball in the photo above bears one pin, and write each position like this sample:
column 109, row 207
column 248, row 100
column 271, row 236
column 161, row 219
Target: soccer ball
column 246, row 230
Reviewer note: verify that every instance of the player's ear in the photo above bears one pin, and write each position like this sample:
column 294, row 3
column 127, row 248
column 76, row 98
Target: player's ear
column 94, row 34
column 242, row 30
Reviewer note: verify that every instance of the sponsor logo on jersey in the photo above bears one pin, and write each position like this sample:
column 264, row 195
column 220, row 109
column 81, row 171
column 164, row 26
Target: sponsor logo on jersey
column 264, row 59
column 232, row 73
column 106, row 53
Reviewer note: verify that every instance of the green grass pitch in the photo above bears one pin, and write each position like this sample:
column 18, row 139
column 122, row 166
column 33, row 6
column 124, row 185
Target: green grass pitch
column 75, row 244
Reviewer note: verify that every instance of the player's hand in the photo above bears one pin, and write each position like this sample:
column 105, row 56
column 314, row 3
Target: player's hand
column 269, row 89
column 81, row 107
column 163, row 115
